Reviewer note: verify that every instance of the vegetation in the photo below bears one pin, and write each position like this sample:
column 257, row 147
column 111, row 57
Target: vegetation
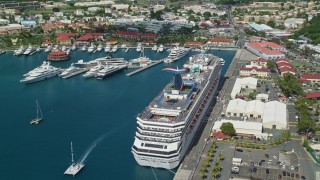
column 271, row 65
column 305, row 124
column 254, row 33
column 289, row 85
column 252, row 95
column 311, row 30
column 306, row 145
column 227, row 128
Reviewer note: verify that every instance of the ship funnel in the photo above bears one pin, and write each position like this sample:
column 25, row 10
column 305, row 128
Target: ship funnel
column 178, row 84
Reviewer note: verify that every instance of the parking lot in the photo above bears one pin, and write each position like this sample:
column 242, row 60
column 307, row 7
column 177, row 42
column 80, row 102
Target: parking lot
column 269, row 164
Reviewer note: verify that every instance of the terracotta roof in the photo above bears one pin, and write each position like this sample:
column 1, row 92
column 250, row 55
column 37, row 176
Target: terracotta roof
column 286, row 69
column 302, row 80
column 124, row 33
column 221, row 39
column 67, row 34
column 219, row 135
column 254, row 68
column 57, row 53
column 63, row 38
column 260, row 60
column 283, row 64
column 312, row 95
column 86, row 37
column 47, row 42
column 310, row 76
column 261, row 46
column 281, row 60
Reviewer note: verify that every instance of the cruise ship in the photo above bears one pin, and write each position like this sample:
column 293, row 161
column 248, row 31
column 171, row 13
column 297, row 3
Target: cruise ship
column 167, row 126
column 176, row 53
column 45, row 71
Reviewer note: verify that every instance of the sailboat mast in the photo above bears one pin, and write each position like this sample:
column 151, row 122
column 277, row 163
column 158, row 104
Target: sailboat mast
column 37, row 109
column 72, row 154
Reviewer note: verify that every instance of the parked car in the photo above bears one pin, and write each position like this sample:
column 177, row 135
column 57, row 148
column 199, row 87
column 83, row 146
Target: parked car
column 267, row 171
column 292, row 168
column 239, row 150
column 266, row 155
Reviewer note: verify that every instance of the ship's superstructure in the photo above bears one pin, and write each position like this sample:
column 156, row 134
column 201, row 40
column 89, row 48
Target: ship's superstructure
column 168, row 125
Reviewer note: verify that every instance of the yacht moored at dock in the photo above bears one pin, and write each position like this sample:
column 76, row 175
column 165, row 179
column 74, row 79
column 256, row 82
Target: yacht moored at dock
column 72, row 69
column 155, row 48
column 108, row 60
column 160, row 49
column 107, row 48
column 84, row 48
column 45, row 71
column 19, row 51
column 167, row 126
column 48, row 49
column 91, row 48
column 107, row 71
column 93, row 71
column 100, row 47
column 176, row 53
column 114, row 48
column 139, row 47
column 2, row 51
column 29, row 50
column 221, row 61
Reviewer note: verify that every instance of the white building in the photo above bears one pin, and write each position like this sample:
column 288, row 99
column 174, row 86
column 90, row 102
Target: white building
column 266, row 50
column 247, row 82
column 275, row 115
column 120, row 7
column 158, row 7
column 242, row 127
column 294, row 22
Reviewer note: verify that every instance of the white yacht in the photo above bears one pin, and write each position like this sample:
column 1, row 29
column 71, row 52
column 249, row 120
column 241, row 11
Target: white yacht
column 2, row 51
column 45, row 71
column 73, row 47
column 93, row 71
column 139, row 47
column 75, row 167
column 72, row 69
column 140, row 61
column 167, row 126
column 107, row 48
column 107, row 71
column 114, row 48
column 84, row 48
column 29, row 50
column 176, row 53
column 55, row 48
column 221, row 61
column 64, row 48
column 99, row 48
column 91, row 48
column 19, row 51
column 48, row 49
column 160, row 49
column 154, row 48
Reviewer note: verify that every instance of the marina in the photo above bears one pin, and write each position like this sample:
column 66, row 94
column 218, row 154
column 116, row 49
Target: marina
column 77, row 72
column 78, row 121
column 144, row 68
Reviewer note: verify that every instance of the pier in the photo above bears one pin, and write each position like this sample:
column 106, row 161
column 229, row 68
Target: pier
column 146, row 67
column 80, row 71
column 127, row 50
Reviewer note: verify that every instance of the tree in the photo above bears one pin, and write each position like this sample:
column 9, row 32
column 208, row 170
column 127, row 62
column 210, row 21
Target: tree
column 306, row 124
column 271, row 24
column 289, row 85
column 220, row 156
column 55, row 9
column 227, row 128
column 271, row 65
column 291, row 7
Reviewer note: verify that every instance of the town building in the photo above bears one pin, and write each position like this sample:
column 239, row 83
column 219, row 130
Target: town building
column 313, row 78
column 284, row 66
column 260, row 62
column 249, row 83
column 266, row 50
column 312, row 95
column 294, row 22
column 11, row 28
column 273, row 114
column 193, row 44
column 249, row 70
column 29, row 23
column 221, row 41
column 135, row 35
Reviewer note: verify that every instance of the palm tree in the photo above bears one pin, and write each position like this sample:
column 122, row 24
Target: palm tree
column 220, row 156
column 214, row 174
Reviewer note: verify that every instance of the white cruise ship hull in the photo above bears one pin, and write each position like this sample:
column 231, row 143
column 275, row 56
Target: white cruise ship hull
column 186, row 139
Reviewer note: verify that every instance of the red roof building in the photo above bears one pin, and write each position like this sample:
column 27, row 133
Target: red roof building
column 220, row 41
column 64, row 40
column 254, row 71
column 193, row 44
column 313, row 78
column 283, row 64
column 220, row 135
column 283, row 70
column 57, row 56
column 266, row 50
column 312, row 95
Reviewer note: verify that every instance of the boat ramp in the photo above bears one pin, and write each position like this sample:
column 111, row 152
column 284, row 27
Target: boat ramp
column 146, row 67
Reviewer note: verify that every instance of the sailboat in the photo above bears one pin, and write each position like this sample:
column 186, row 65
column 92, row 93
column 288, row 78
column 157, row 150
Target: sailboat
column 75, row 167
column 38, row 118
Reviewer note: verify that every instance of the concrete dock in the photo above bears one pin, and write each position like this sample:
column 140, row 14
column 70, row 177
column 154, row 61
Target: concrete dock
column 82, row 70
column 189, row 167
column 146, row 67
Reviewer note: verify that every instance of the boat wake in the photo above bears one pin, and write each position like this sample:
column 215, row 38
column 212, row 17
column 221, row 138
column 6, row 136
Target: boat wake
column 93, row 145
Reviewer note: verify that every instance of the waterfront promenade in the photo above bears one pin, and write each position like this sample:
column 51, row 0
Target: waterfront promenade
column 189, row 167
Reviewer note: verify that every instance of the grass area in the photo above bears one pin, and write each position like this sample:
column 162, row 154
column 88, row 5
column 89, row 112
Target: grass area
column 297, row 64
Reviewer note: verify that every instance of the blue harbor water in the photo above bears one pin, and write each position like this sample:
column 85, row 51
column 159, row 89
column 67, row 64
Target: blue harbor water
column 78, row 110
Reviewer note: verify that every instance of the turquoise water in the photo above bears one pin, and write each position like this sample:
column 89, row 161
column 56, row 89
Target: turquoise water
column 78, row 110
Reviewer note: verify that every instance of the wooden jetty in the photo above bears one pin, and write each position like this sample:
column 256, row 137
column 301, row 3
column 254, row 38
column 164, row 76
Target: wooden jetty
column 80, row 71
column 146, row 67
